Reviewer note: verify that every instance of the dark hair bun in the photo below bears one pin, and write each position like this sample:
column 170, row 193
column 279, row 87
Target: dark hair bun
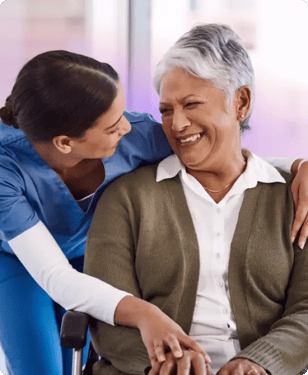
column 7, row 114
column 59, row 92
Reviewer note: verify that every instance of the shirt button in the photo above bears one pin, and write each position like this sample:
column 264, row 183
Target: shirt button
column 217, row 255
column 218, row 210
column 220, row 284
column 218, row 234
column 225, row 311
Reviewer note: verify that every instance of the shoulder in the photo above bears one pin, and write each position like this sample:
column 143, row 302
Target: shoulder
column 139, row 187
column 287, row 176
column 139, row 190
column 139, row 117
column 135, row 181
column 13, row 146
column 11, row 174
column 14, row 154
column 275, row 202
column 8, row 135
column 129, row 193
column 281, row 192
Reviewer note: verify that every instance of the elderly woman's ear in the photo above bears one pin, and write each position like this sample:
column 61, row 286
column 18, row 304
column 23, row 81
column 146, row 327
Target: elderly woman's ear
column 243, row 97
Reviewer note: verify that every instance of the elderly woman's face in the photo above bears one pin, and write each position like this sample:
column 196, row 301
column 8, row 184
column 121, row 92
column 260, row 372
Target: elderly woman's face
column 201, row 127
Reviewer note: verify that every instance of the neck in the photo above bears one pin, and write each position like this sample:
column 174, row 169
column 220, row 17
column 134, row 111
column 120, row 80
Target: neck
column 59, row 162
column 219, row 179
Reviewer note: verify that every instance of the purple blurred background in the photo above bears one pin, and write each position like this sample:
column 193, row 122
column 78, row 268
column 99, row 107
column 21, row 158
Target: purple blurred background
column 132, row 35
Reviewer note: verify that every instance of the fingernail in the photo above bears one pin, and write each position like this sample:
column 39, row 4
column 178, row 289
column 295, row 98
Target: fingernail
column 301, row 244
column 178, row 354
column 292, row 239
column 208, row 359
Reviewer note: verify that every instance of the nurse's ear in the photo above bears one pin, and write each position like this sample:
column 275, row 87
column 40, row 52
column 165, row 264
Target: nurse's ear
column 62, row 143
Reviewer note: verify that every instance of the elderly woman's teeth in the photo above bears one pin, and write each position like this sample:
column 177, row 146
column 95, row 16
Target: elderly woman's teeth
column 190, row 139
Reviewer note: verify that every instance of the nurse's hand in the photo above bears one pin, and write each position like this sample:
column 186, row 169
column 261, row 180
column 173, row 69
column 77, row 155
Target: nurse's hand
column 241, row 366
column 191, row 362
column 299, row 191
column 159, row 333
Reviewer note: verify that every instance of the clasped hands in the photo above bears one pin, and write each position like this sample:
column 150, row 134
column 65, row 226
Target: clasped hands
column 185, row 356
column 193, row 362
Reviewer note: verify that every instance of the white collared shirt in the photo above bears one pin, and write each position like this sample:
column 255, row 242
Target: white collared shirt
column 213, row 324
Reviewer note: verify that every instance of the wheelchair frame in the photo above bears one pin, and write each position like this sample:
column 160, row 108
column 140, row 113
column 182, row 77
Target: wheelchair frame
column 73, row 334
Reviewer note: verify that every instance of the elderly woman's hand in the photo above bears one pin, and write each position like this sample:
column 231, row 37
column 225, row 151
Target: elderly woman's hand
column 299, row 190
column 241, row 366
column 191, row 362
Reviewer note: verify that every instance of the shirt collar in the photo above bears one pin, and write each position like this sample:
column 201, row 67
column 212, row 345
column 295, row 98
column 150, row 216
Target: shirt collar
column 169, row 168
column 257, row 170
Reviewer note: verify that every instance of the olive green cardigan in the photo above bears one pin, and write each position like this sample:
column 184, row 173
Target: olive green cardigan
column 142, row 240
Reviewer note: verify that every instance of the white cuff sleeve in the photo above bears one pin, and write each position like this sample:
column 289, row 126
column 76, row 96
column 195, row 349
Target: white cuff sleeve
column 44, row 260
column 283, row 163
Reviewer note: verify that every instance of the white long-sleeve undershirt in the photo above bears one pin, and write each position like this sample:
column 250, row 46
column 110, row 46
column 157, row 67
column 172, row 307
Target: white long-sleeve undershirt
column 282, row 163
column 44, row 260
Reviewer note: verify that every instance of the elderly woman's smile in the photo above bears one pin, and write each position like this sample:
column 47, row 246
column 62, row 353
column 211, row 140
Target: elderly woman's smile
column 201, row 126
column 189, row 139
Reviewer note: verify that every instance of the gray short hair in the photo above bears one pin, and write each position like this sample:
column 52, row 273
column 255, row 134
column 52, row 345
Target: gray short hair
column 213, row 52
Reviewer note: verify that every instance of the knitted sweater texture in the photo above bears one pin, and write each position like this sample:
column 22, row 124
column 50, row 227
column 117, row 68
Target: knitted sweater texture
column 142, row 240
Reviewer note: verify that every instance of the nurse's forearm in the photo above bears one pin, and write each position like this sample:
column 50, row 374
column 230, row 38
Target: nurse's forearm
column 286, row 164
column 297, row 164
column 131, row 310
column 158, row 331
column 44, row 260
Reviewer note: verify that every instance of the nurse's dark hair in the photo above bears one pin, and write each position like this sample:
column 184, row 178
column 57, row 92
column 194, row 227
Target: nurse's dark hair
column 59, row 93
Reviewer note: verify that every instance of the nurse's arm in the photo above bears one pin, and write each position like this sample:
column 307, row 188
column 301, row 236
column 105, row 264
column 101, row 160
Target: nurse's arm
column 44, row 260
column 299, row 191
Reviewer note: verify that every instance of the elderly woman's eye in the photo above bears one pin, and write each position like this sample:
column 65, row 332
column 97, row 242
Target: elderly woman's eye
column 192, row 105
column 165, row 111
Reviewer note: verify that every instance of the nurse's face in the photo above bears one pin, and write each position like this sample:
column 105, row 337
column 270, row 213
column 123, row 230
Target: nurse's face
column 102, row 139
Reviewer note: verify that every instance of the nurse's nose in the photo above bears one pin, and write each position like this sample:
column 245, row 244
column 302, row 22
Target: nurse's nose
column 125, row 126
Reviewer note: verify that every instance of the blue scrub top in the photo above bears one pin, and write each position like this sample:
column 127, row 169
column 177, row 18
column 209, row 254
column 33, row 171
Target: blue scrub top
column 30, row 191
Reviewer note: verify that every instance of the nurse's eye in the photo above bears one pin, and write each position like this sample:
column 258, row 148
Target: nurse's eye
column 116, row 129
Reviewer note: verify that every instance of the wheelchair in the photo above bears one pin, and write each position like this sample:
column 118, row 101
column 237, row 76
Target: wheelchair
column 73, row 335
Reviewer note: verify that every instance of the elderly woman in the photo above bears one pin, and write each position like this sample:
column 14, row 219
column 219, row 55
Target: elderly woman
column 205, row 235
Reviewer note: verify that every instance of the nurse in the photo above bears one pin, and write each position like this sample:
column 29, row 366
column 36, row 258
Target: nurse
column 69, row 137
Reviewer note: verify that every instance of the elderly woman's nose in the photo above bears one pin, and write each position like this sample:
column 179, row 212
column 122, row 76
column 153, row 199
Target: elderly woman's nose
column 179, row 121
